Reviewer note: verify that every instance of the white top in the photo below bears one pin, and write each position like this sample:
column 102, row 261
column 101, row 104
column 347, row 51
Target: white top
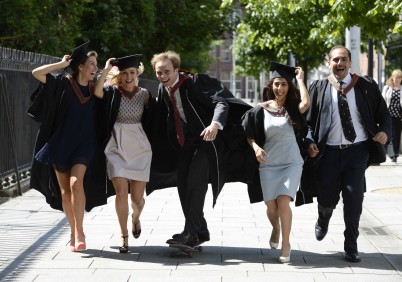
column 179, row 105
column 335, row 136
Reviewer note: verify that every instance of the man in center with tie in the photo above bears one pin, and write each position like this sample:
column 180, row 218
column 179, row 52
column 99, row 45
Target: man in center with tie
column 347, row 115
column 204, row 143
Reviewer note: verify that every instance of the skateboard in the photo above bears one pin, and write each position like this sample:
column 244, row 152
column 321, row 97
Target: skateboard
column 184, row 250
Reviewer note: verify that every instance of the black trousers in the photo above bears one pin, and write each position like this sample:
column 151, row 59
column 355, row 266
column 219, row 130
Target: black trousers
column 193, row 178
column 396, row 136
column 343, row 170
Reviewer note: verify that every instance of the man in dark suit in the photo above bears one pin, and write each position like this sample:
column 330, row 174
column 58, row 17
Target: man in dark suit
column 347, row 115
column 201, row 141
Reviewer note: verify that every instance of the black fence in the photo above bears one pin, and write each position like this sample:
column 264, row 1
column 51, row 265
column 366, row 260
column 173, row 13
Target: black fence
column 17, row 130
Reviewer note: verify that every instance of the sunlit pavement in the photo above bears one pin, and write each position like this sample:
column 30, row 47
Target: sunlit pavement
column 34, row 240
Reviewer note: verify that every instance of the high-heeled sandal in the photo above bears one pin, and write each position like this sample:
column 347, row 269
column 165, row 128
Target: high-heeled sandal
column 72, row 242
column 124, row 248
column 272, row 244
column 136, row 232
column 80, row 244
column 284, row 259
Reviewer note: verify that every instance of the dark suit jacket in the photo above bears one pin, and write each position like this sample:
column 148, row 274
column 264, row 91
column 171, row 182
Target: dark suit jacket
column 369, row 101
column 204, row 99
column 371, row 106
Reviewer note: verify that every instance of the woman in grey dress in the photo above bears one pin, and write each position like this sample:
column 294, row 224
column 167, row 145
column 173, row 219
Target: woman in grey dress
column 273, row 129
column 128, row 151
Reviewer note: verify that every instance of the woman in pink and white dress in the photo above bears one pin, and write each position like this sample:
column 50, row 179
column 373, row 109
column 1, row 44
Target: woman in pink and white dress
column 128, row 151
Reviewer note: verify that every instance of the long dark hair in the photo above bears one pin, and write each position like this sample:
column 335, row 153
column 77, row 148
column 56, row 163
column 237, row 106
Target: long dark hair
column 83, row 60
column 291, row 104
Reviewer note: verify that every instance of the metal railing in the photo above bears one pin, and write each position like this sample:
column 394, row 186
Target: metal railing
column 17, row 130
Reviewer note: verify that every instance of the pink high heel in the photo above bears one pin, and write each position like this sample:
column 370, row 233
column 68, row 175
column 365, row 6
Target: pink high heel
column 72, row 242
column 80, row 244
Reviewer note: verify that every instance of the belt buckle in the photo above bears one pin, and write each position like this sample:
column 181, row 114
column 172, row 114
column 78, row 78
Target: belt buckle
column 344, row 146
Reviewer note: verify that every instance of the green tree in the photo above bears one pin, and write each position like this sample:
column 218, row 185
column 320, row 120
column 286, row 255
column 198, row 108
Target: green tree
column 116, row 27
column 44, row 26
column 152, row 26
column 271, row 29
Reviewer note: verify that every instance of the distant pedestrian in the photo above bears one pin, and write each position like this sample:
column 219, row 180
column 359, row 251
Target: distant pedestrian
column 392, row 95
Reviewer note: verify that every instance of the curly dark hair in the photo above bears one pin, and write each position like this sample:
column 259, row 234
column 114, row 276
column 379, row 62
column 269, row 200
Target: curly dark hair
column 292, row 101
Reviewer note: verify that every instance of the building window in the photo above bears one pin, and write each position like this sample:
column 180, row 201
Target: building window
column 226, row 52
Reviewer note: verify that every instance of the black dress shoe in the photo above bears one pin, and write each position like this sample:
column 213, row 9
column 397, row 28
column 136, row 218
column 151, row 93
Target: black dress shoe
column 321, row 227
column 352, row 257
column 203, row 235
column 320, row 230
column 184, row 239
column 176, row 235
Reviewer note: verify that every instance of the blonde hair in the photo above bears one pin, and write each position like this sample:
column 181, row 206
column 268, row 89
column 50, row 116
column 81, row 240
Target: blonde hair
column 114, row 77
column 395, row 73
column 170, row 55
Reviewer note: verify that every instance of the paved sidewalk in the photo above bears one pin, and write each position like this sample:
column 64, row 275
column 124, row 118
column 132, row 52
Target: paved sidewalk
column 34, row 240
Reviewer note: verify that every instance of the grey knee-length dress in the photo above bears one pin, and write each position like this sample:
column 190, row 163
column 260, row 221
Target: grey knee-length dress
column 280, row 174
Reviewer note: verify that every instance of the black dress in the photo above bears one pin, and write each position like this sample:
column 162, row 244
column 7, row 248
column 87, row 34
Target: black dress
column 74, row 140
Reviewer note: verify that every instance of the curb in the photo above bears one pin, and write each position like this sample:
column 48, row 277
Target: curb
column 13, row 191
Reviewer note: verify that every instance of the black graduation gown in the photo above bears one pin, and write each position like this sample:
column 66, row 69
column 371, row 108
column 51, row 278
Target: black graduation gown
column 375, row 118
column 49, row 107
column 229, row 159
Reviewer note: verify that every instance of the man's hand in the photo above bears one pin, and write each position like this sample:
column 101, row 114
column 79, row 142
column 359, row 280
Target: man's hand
column 312, row 150
column 381, row 137
column 210, row 132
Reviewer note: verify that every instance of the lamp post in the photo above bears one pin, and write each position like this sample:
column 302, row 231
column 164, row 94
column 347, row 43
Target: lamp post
column 352, row 38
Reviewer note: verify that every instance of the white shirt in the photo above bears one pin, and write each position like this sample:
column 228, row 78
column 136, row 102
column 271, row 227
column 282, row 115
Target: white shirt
column 336, row 136
column 179, row 104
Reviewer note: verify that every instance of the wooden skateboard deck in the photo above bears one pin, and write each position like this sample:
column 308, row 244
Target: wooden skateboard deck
column 186, row 250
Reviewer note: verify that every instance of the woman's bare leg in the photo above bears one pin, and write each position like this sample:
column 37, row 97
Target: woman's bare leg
column 285, row 215
column 66, row 196
column 137, row 189
column 121, row 203
column 273, row 216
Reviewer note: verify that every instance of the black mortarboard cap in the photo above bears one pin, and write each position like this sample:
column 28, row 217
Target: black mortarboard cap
column 127, row 62
column 279, row 70
column 78, row 54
